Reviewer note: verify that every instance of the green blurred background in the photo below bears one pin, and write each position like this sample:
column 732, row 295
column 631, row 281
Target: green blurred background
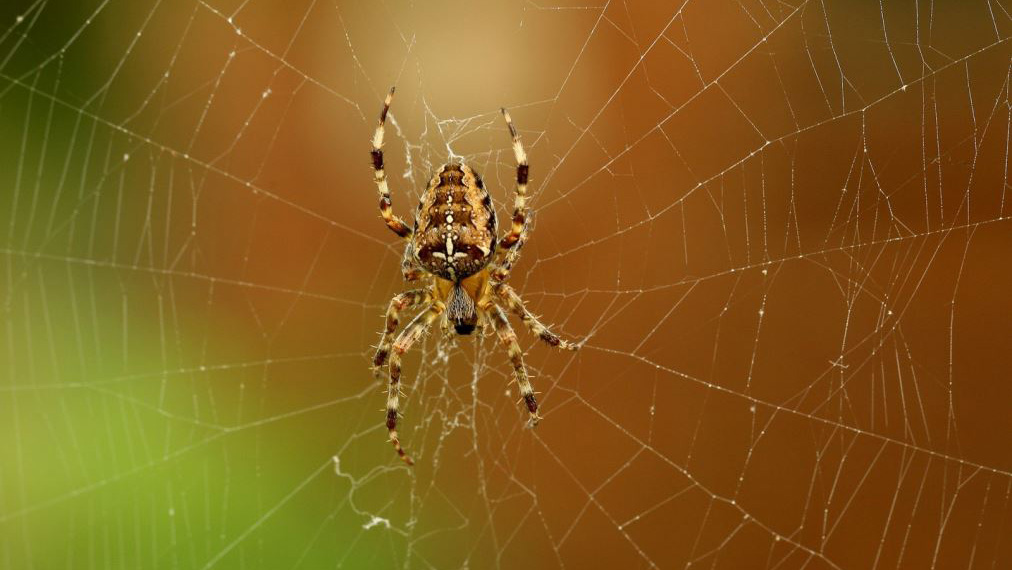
column 780, row 229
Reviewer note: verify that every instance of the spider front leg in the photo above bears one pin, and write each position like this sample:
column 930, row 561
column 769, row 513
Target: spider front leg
column 505, row 258
column 520, row 198
column 397, row 304
column 380, row 175
column 516, row 305
column 408, row 336
column 509, row 340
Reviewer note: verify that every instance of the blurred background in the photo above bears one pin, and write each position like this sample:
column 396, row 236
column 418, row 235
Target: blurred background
column 779, row 230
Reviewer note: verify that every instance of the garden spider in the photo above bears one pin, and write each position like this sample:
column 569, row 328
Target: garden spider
column 454, row 249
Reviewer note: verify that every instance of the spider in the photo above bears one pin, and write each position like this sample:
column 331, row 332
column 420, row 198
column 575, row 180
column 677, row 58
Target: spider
column 453, row 249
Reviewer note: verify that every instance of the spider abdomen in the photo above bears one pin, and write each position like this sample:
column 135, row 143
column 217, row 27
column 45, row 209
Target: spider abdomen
column 455, row 225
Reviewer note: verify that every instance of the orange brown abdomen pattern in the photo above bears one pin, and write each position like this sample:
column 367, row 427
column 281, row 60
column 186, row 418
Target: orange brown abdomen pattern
column 455, row 226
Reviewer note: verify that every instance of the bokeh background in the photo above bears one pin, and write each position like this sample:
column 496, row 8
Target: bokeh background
column 779, row 229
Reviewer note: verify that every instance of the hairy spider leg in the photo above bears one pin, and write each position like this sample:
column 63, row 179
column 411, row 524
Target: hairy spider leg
column 509, row 340
column 408, row 336
column 520, row 198
column 410, row 268
column 380, row 175
column 400, row 302
column 505, row 258
column 516, row 305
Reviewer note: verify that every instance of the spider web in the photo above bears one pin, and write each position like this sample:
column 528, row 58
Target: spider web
column 779, row 230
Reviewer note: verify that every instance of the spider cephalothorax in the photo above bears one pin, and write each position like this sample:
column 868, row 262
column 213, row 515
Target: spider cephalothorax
column 453, row 248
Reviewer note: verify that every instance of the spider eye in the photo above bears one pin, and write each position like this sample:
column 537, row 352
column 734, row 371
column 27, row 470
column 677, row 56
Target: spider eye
column 464, row 328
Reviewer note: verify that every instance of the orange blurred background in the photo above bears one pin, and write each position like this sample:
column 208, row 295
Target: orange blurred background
column 778, row 229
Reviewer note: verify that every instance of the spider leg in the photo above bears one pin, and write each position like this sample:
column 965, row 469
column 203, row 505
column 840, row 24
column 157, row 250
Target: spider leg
column 400, row 302
column 408, row 336
column 410, row 268
column 520, row 199
column 380, row 176
column 509, row 340
column 516, row 305
column 505, row 258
